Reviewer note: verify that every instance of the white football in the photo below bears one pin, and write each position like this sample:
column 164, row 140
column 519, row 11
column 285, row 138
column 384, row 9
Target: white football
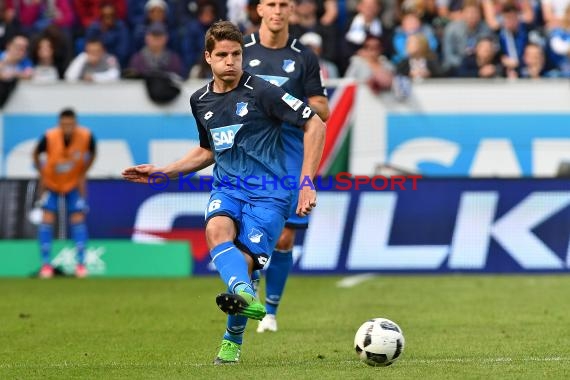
column 379, row 342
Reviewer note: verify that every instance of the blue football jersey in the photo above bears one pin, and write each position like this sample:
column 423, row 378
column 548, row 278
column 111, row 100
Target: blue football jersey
column 243, row 128
column 294, row 68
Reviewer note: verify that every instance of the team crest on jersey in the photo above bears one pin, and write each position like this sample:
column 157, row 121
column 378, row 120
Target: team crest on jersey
column 254, row 62
column 241, row 109
column 288, row 65
column 255, row 235
column 223, row 137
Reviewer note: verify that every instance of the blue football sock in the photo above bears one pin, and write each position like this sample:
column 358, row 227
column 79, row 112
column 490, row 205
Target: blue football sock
column 276, row 278
column 79, row 234
column 232, row 267
column 255, row 279
column 235, row 328
column 45, row 237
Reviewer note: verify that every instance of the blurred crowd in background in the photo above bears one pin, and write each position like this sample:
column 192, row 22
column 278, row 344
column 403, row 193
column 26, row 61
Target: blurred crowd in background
column 369, row 40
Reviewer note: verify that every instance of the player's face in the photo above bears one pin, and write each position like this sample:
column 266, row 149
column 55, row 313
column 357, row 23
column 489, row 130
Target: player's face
column 275, row 13
column 67, row 124
column 226, row 60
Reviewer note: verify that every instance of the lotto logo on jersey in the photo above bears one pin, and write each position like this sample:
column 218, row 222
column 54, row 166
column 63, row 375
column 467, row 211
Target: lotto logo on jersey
column 223, row 137
column 292, row 101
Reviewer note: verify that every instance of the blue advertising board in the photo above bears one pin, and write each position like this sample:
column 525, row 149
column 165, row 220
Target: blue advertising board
column 464, row 144
column 443, row 226
column 135, row 133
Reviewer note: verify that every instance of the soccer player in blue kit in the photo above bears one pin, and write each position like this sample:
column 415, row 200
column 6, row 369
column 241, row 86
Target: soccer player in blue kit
column 239, row 119
column 280, row 59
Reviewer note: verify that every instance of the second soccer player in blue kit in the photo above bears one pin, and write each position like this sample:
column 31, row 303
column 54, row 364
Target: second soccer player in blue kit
column 274, row 55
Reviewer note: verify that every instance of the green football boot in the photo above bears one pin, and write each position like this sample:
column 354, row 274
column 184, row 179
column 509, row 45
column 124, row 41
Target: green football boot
column 241, row 303
column 229, row 353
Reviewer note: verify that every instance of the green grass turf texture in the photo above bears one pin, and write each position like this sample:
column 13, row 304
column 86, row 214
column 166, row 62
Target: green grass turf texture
column 456, row 327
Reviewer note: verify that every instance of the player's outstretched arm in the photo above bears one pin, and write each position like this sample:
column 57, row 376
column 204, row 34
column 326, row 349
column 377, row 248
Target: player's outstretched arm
column 314, row 142
column 196, row 159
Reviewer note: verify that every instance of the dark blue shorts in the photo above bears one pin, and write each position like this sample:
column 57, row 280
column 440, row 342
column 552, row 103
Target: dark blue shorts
column 258, row 226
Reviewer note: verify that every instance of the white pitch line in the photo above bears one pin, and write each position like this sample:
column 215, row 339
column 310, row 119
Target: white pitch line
column 350, row 281
column 487, row 360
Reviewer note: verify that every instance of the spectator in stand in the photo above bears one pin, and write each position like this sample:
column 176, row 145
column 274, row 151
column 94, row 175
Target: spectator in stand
column 493, row 9
column 327, row 12
column 43, row 57
column 461, row 36
column 194, row 33
column 534, row 63
column 513, row 38
column 155, row 11
column 449, row 9
column 138, row 10
column 62, row 47
column 94, row 65
column 155, row 56
column 14, row 61
column 307, row 21
column 315, row 41
column 36, row 15
column 88, row 11
column 420, row 63
column 365, row 22
column 252, row 20
column 9, row 25
column 559, row 45
column 553, row 12
column 113, row 32
column 484, row 63
column 186, row 10
column 411, row 24
column 370, row 66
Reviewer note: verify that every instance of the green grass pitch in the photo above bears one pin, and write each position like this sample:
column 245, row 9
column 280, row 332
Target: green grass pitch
column 456, row 327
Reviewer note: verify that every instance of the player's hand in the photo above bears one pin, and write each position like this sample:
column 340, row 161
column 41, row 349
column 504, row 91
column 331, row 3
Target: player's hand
column 307, row 200
column 139, row 173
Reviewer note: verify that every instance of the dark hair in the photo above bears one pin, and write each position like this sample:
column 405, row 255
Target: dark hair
column 510, row 8
column 220, row 31
column 34, row 55
column 95, row 38
column 107, row 3
column 67, row 112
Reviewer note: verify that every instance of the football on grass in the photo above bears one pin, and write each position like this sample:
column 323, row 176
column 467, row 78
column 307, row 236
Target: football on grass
column 379, row 342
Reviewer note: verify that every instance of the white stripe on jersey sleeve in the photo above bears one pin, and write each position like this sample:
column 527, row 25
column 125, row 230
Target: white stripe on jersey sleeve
column 294, row 47
column 246, row 85
column 253, row 41
column 205, row 92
